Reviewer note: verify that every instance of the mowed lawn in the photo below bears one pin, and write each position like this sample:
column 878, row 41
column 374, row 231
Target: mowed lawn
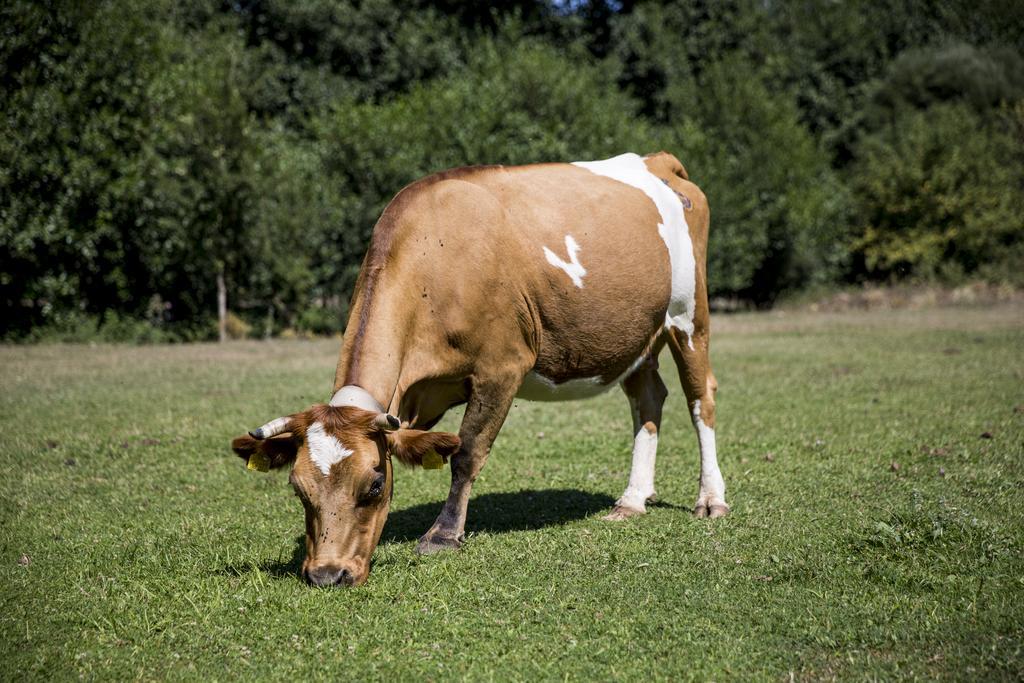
column 874, row 464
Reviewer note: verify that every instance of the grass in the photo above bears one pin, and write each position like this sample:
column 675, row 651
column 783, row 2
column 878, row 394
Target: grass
column 875, row 533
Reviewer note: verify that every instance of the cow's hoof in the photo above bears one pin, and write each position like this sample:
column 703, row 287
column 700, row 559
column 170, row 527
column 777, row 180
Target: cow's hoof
column 437, row 544
column 711, row 511
column 621, row 512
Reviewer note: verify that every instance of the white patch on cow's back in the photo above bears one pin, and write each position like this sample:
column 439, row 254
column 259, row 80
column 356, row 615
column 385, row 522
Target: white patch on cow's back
column 572, row 268
column 630, row 169
column 537, row 387
column 324, row 449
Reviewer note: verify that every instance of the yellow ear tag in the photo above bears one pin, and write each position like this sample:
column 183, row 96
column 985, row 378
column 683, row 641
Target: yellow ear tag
column 432, row 461
column 258, row 461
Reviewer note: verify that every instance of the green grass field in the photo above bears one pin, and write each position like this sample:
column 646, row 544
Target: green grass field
column 874, row 464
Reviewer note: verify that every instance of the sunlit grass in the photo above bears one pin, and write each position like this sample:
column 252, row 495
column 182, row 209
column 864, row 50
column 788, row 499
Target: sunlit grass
column 873, row 464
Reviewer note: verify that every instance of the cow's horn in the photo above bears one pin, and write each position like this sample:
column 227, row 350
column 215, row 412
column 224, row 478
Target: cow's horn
column 386, row 423
column 272, row 428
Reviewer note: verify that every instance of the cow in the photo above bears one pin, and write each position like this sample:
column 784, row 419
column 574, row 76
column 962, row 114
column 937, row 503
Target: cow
column 483, row 284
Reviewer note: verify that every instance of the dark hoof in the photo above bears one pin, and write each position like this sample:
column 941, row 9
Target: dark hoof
column 710, row 511
column 437, row 544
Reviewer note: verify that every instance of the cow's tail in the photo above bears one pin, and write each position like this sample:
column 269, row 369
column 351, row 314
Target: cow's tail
column 680, row 170
column 671, row 164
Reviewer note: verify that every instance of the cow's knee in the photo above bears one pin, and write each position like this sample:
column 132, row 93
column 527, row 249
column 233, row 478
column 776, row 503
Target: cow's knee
column 703, row 411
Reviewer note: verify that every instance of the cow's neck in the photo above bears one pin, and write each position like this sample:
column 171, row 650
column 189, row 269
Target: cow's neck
column 372, row 364
column 374, row 347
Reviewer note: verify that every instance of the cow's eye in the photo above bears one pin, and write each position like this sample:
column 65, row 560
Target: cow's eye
column 375, row 488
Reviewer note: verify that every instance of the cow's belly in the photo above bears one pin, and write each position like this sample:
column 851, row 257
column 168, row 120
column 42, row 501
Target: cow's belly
column 537, row 387
column 546, row 382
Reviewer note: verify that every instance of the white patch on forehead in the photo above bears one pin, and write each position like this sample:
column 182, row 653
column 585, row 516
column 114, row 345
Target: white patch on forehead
column 631, row 170
column 324, row 449
column 573, row 268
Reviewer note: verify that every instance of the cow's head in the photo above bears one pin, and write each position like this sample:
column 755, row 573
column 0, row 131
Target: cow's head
column 342, row 474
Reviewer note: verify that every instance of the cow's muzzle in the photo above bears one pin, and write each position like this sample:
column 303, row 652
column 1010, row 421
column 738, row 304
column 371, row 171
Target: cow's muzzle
column 329, row 575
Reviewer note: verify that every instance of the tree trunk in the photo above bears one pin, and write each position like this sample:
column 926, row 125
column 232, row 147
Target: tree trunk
column 222, row 306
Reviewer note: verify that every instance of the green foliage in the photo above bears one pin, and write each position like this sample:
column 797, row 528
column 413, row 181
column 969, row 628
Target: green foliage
column 72, row 120
column 144, row 150
column 510, row 106
column 776, row 204
column 80, row 328
column 939, row 192
column 197, row 172
column 374, row 46
column 982, row 79
column 660, row 50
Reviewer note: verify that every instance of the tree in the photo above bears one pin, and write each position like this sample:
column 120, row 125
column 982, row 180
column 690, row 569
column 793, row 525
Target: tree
column 777, row 209
column 198, row 166
column 940, row 193
column 516, row 102
column 73, row 111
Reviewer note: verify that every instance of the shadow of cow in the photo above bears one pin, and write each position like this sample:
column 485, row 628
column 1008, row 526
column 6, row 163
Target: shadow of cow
column 492, row 513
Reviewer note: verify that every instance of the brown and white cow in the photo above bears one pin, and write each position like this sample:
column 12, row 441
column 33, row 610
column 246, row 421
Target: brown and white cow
column 546, row 282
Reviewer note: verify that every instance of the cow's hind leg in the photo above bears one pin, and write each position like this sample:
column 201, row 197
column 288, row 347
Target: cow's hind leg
column 699, row 385
column 646, row 393
column 488, row 405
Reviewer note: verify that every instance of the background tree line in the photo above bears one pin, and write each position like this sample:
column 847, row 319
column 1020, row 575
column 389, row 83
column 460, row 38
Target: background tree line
column 150, row 150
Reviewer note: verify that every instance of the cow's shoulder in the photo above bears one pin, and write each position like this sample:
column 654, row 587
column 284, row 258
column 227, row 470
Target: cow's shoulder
column 466, row 173
column 412, row 197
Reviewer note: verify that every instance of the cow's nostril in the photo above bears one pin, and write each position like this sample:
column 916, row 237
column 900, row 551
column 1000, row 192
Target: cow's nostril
column 330, row 576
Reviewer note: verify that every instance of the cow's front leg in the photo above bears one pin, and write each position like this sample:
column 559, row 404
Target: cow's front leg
column 486, row 409
column 646, row 393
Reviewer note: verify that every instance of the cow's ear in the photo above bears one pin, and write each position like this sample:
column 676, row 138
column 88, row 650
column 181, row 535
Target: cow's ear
column 429, row 449
column 263, row 454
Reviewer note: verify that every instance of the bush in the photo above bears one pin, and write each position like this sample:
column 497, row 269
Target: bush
column 237, row 328
column 110, row 328
column 940, row 193
column 513, row 104
column 921, row 78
